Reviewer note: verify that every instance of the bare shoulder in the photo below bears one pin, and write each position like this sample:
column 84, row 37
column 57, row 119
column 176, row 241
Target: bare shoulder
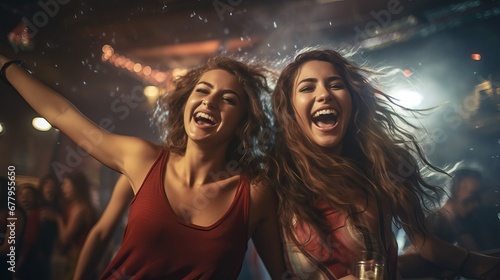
column 140, row 148
column 263, row 201
column 262, row 193
column 263, row 205
column 80, row 209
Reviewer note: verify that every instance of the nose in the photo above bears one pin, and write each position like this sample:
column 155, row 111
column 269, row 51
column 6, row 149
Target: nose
column 323, row 95
column 209, row 101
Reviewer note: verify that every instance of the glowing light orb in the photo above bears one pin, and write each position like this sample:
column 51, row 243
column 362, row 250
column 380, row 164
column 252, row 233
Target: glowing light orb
column 41, row 124
column 407, row 72
column 407, row 98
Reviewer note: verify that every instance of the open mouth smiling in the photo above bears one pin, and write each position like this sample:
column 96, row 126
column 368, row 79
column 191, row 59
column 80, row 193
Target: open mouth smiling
column 204, row 119
column 325, row 118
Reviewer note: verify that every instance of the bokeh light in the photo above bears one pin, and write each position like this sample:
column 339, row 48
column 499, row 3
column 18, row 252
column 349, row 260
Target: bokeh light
column 407, row 98
column 41, row 124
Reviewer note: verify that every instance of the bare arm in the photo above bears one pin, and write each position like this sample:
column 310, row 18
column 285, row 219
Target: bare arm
column 266, row 237
column 75, row 223
column 102, row 232
column 450, row 257
column 412, row 265
column 112, row 150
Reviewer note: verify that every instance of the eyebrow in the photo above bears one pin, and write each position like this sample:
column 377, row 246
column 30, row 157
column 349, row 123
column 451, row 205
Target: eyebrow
column 224, row 91
column 314, row 80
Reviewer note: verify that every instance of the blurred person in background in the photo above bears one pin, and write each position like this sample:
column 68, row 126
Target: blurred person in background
column 78, row 217
column 485, row 222
column 30, row 258
column 452, row 221
column 51, row 200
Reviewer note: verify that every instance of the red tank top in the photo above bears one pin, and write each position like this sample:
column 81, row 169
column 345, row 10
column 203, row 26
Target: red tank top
column 343, row 243
column 157, row 244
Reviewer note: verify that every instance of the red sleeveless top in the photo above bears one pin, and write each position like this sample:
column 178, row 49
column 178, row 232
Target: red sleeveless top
column 157, row 244
column 343, row 243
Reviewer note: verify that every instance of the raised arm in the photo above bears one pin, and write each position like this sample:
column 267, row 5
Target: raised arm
column 266, row 236
column 110, row 149
column 101, row 233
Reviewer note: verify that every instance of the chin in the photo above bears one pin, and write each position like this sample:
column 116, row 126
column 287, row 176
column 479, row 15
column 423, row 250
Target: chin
column 329, row 146
column 327, row 143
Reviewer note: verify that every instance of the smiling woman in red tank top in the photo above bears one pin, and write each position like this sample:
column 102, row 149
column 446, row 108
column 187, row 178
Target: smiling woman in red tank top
column 346, row 169
column 198, row 198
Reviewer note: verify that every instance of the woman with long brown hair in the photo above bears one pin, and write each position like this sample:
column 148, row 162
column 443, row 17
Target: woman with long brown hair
column 345, row 169
column 78, row 217
column 198, row 198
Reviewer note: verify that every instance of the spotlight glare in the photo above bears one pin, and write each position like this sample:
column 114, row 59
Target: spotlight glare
column 407, row 98
column 41, row 124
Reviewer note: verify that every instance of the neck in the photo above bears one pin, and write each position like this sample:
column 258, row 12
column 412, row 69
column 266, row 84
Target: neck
column 334, row 151
column 201, row 165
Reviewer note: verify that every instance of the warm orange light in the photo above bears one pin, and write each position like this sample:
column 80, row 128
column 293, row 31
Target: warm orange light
column 160, row 77
column 407, row 72
column 198, row 48
column 146, row 70
column 475, row 56
column 179, row 72
column 129, row 65
column 137, row 67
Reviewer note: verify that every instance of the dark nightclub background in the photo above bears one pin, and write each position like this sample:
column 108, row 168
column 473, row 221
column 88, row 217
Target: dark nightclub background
column 113, row 58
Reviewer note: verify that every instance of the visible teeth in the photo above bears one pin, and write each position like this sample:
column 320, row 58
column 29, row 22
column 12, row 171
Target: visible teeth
column 324, row 112
column 205, row 116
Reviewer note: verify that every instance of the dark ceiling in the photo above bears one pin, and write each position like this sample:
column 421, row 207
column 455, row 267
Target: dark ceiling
column 66, row 39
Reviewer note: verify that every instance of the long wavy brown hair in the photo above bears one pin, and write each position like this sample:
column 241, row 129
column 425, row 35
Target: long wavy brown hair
column 244, row 147
column 81, row 186
column 379, row 159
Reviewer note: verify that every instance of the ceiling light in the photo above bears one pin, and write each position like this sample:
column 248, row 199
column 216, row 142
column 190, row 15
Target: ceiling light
column 41, row 124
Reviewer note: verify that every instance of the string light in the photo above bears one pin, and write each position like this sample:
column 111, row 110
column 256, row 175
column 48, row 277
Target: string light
column 163, row 79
